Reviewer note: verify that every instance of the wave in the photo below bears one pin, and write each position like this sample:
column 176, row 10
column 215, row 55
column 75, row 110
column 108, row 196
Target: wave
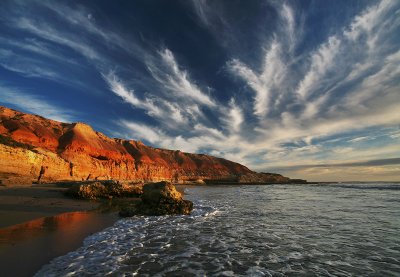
column 107, row 251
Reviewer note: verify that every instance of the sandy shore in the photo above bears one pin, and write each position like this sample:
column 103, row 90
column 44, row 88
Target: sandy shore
column 39, row 223
column 20, row 204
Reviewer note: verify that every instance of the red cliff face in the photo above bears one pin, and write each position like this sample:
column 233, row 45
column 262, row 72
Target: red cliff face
column 34, row 148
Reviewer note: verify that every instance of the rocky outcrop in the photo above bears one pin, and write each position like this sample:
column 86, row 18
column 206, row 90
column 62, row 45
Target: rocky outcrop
column 159, row 199
column 104, row 189
column 36, row 149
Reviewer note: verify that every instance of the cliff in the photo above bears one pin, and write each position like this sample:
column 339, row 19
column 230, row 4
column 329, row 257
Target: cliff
column 33, row 148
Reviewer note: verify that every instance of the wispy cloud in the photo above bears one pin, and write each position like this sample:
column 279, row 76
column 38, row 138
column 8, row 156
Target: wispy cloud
column 369, row 20
column 321, row 61
column 358, row 139
column 270, row 84
column 47, row 32
column 35, row 104
column 324, row 105
column 380, row 162
column 266, row 84
column 26, row 66
column 296, row 107
column 176, row 80
column 38, row 47
column 364, row 170
column 280, row 96
column 155, row 107
column 235, row 117
column 144, row 132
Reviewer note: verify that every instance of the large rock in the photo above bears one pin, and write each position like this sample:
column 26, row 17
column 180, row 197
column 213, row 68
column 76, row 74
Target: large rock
column 104, row 189
column 159, row 199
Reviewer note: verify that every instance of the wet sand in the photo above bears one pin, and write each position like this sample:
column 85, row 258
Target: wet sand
column 20, row 204
column 38, row 223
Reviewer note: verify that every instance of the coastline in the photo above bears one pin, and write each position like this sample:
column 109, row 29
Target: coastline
column 39, row 223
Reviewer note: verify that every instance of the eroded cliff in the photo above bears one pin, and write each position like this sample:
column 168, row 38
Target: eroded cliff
column 33, row 148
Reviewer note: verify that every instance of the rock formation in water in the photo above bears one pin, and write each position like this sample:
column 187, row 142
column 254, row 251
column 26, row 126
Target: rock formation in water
column 160, row 198
column 36, row 149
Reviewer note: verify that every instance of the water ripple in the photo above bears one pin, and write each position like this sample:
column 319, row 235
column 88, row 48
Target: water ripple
column 251, row 231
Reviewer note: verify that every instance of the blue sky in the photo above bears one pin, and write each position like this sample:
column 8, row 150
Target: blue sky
column 310, row 89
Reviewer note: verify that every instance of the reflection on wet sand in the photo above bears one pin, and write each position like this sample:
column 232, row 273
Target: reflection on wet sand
column 40, row 227
column 36, row 242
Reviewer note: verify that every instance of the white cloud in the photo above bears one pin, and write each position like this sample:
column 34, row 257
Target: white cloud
column 321, row 61
column 144, row 132
column 177, row 81
column 80, row 17
column 119, row 89
column 202, row 10
column 35, row 104
column 288, row 16
column 377, row 84
column 26, row 66
column 47, row 32
column 368, row 20
column 350, row 81
column 38, row 47
column 358, row 139
column 235, row 117
column 167, row 112
column 268, row 82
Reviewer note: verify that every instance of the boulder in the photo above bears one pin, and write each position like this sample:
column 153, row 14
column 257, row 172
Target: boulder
column 104, row 189
column 159, row 199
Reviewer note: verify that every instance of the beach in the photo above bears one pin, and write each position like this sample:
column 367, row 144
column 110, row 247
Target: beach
column 39, row 223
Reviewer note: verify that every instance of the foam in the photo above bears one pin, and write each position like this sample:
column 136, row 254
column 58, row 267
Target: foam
column 277, row 233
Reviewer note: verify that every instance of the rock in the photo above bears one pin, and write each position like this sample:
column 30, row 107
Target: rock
column 124, row 189
column 93, row 190
column 129, row 210
column 153, row 193
column 104, row 189
column 159, row 199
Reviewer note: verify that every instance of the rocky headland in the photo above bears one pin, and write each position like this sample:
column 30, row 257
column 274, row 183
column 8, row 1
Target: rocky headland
column 36, row 149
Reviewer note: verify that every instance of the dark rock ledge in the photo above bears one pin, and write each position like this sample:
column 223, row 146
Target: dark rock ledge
column 160, row 198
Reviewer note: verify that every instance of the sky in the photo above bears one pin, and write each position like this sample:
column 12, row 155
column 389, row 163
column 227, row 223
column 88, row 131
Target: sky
column 309, row 89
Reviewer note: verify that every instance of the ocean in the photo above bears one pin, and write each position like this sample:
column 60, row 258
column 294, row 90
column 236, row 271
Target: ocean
column 340, row 229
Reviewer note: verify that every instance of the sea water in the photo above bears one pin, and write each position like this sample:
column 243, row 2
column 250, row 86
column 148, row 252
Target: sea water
column 258, row 230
